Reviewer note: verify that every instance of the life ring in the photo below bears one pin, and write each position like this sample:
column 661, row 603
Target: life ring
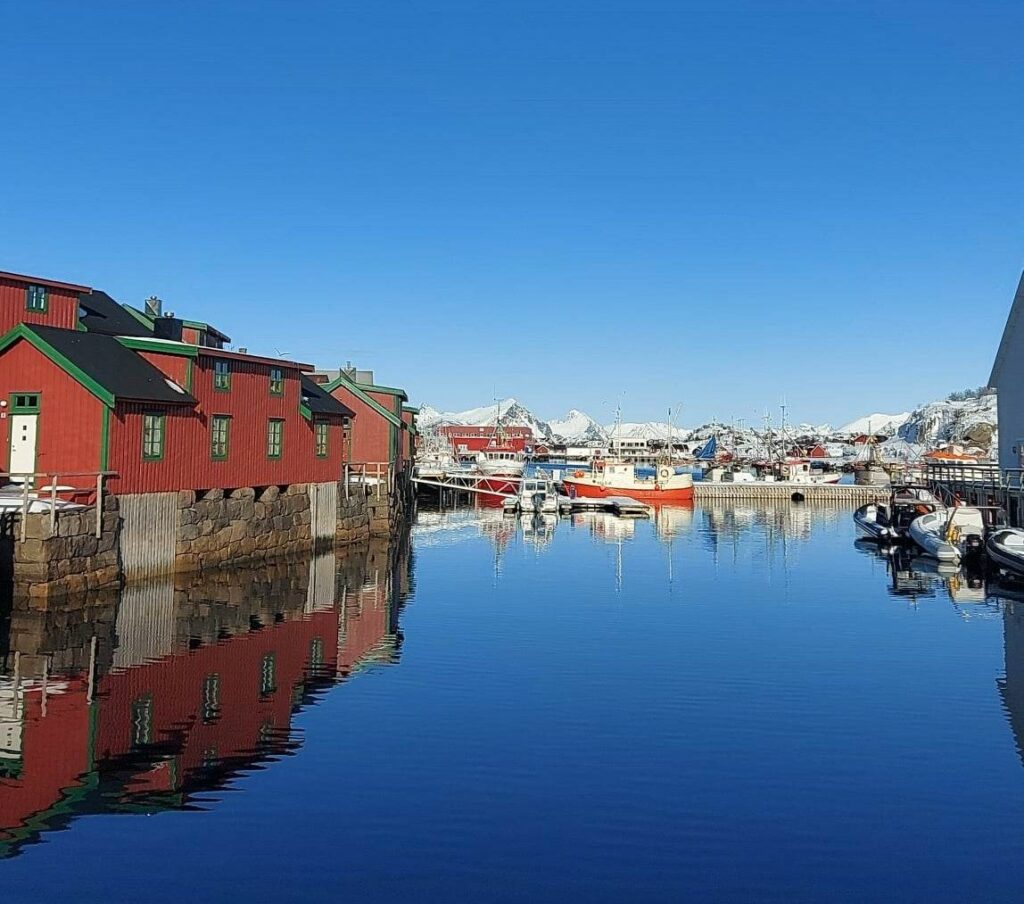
column 664, row 473
column 577, row 473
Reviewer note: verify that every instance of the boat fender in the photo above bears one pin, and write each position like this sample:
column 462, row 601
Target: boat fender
column 577, row 474
column 664, row 473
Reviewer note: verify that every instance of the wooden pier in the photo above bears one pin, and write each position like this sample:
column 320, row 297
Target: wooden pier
column 835, row 493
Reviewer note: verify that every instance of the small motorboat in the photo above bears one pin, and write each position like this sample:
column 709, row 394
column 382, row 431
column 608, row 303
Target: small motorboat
column 1005, row 548
column 536, row 495
column 950, row 535
column 873, row 521
column 907, row 502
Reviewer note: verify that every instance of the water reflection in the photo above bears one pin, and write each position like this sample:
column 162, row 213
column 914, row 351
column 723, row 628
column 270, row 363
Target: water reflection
column 139, row 701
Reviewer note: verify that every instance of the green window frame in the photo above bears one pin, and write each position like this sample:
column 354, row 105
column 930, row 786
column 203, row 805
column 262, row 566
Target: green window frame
column 154, row 435
column 268, row 675
column 276, row 381
column 25, row 402
column 211, row 697
column 222, row 375
column 275, row 437
column 322, row 436
column 37, row 299
column 220, row 436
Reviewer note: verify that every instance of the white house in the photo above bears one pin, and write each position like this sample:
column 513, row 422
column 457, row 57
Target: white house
column 1007, row 379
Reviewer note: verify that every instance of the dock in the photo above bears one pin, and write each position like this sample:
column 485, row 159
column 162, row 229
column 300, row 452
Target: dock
column 622, row 506
column 835, row 493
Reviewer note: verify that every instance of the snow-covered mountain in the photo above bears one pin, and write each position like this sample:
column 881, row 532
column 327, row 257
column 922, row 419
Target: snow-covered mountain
column 970, row 421
column 887, row 424
column 577, row 428
column 647, row 430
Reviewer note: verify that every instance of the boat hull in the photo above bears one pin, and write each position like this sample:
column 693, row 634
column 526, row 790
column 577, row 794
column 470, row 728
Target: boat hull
column 492, row 491
column 653, row 495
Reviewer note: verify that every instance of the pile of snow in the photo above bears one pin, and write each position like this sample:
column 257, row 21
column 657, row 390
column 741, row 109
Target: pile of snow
column 874, row 424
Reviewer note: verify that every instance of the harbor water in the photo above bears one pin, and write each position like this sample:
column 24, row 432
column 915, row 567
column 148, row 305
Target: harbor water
column 728, row 703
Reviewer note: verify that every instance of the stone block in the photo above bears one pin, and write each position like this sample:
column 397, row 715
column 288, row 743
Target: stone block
column 186, row 499
column 243, row 493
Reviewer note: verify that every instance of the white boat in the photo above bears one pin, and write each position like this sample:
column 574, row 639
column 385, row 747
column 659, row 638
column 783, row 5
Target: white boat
column 536, row 495
column 949, row 534
column 500, row 461
column 798, row 470
column 1006, row 548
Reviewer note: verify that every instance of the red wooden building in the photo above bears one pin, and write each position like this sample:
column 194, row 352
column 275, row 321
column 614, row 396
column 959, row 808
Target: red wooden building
column 119, row 390
column 473, row 439
column 385, row 426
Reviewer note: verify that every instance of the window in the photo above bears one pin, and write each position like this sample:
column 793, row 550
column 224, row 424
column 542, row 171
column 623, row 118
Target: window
column 275, row 437
column 220, row 425
column 153, row 437
column 276, row 381
column 322, row 432
column 36, row 299
column 211, row 697
column 316, row 654
column 25, row 403
column 142, row 720
column 268, row 675
column 222, row 375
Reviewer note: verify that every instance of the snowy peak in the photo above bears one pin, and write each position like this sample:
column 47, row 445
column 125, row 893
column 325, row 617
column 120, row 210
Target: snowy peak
column 876, row 423
column 577, row 428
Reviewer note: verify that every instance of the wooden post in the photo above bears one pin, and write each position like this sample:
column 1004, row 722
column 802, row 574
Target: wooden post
column 99, row 506
column 24, row 509
column 53, row 504
column 92, row 670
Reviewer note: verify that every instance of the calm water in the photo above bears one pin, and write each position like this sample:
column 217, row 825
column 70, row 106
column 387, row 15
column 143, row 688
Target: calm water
column 724, row 704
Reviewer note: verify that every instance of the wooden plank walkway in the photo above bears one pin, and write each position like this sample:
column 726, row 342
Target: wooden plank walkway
column 839, row 493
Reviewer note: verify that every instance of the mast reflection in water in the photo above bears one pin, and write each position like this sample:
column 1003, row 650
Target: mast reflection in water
column 136, row 702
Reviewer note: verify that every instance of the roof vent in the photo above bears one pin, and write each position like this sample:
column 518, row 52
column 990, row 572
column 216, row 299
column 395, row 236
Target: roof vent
column 154, row 306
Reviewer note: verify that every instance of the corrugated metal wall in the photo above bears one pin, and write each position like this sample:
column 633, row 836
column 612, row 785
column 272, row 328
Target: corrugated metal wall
column 149, row 531
column 323, row 510
column 145, row 623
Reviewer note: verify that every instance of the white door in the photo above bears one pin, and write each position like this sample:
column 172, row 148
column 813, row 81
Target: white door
column 23, row 443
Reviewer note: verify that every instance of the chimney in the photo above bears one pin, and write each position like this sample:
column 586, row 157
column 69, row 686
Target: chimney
column 153, row 306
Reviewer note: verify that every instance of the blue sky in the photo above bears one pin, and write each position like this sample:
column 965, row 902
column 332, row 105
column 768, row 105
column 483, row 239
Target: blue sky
column 709, row 205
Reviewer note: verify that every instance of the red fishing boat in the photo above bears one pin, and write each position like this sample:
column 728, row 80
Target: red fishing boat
column 619, row 478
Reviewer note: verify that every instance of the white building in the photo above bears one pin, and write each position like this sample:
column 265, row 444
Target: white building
column 1007, row 379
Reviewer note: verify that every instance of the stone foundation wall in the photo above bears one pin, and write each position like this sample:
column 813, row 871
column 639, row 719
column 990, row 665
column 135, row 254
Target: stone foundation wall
column 353, row 518
column 242, row 526
column 212, row 529
column 70, row 558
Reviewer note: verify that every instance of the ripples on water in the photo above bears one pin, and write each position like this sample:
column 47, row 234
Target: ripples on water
column 717, row 704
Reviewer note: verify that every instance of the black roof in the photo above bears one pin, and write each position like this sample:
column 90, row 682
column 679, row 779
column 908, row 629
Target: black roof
column 321, row 402
column 117, row 369
column 101, row 314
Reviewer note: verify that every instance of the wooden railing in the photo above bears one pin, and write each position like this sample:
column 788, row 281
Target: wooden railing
column 384, row 476
column 56, row 486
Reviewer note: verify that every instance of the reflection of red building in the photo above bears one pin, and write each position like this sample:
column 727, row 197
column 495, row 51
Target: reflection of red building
column 474, row 439
column 155, row 730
